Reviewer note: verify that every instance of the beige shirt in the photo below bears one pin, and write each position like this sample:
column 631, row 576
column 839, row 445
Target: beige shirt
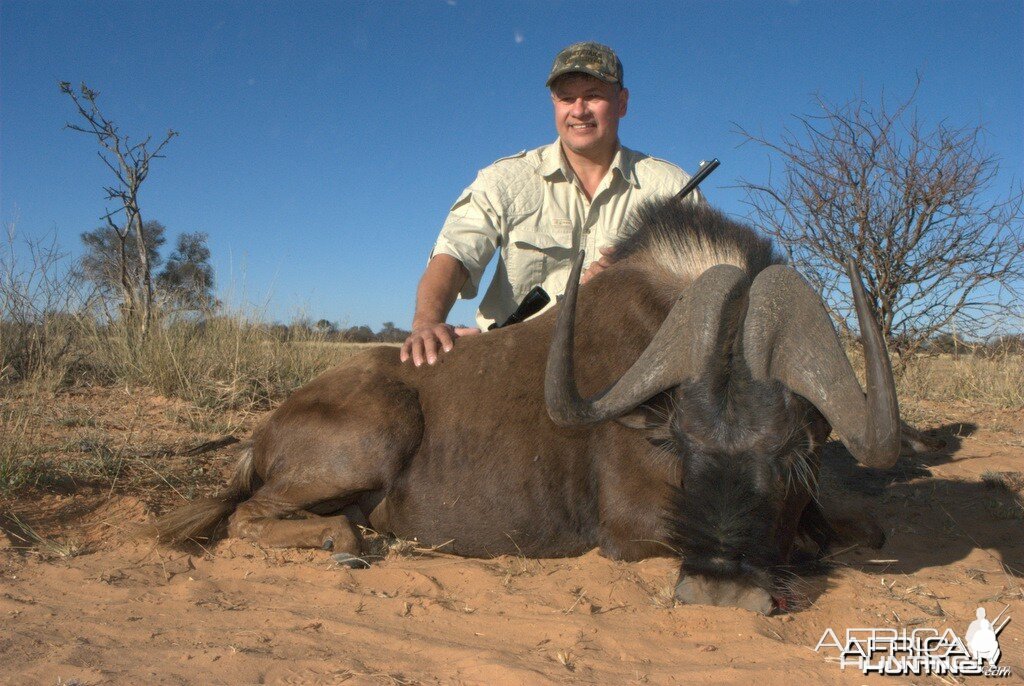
column 532, row 208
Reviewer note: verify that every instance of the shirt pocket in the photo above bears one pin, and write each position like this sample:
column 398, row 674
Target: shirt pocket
column 534, row 255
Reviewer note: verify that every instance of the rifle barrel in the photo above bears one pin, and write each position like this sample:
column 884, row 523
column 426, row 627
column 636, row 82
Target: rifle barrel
column 695, row 180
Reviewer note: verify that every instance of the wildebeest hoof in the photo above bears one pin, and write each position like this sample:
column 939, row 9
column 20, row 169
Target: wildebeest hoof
column 697, row 590
column 328, row 544
column 349, row 560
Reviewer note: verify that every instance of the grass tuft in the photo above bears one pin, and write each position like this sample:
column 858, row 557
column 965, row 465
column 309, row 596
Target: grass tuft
column 1011, row 482
column 49, row 548
column 993, row 380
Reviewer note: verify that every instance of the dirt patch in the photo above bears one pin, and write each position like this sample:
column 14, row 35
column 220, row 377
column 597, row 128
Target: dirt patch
column 82, row 602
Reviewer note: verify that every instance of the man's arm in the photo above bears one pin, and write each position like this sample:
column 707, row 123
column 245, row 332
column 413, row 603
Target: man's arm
column 467, row 242
column 440, row 285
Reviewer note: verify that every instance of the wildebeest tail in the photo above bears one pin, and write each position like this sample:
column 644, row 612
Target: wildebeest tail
column 202, row 518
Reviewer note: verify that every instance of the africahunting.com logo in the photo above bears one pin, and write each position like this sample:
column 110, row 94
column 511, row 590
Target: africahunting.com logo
column 923, row 650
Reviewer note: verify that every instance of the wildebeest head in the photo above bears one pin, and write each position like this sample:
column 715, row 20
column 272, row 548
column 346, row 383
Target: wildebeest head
column 749, row 466
column 741, row 371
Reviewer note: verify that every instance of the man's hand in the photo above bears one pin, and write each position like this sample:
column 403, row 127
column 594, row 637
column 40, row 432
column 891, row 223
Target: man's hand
column 425, row 342
column 597, row 266
column 438, row 288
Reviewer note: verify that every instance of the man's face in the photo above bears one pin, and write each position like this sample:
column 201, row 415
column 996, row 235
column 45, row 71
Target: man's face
column 587, row 112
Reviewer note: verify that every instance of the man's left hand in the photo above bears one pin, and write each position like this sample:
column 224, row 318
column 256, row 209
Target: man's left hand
column 606, row 260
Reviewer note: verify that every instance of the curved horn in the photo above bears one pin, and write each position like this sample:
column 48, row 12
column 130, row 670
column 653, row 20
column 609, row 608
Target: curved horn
column 698, row 331
column 789, row 336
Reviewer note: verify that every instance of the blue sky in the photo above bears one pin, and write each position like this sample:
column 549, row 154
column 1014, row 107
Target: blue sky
column 322, row 143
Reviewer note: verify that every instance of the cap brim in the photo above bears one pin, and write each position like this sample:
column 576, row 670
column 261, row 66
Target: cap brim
column 580, row 70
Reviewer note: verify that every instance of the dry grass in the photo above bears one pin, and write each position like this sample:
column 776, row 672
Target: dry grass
column 25, row 537
column 996, row 380
column 21, row 462
column 29, row 459
column 985, row 379
column 223, row 373
column 224, row 361
column 1006, row 501
column 228, row 362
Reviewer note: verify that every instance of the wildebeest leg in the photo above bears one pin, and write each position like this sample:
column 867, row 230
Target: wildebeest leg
column 342, row 436
column 264, row 518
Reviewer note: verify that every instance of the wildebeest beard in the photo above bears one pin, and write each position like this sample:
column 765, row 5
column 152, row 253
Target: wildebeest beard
column 743, row 446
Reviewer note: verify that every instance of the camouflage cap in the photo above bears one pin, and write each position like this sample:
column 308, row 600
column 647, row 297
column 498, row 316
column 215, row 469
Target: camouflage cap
column 595, row 59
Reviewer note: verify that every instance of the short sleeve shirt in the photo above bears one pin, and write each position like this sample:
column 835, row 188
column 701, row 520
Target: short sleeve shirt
column 531, row 209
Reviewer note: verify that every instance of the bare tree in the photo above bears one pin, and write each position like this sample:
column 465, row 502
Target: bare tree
column 940, row 248
column 130, row 166
column 111, row 260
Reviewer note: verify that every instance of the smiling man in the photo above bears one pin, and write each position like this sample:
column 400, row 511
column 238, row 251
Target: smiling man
column 540, row 207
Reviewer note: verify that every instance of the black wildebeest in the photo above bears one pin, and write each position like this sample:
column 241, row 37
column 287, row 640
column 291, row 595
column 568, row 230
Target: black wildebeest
column 709, row 377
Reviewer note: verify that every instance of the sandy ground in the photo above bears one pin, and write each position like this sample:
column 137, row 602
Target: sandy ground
column 81, row 604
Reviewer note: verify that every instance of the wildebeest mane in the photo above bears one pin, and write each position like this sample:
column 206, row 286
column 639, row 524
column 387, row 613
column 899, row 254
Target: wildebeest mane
column 682, row 240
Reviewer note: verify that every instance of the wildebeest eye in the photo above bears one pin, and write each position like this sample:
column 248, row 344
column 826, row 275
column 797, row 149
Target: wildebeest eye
column 653, row 415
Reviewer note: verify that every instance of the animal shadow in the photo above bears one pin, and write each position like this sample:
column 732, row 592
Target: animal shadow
column 917, row 511
column 840, row 470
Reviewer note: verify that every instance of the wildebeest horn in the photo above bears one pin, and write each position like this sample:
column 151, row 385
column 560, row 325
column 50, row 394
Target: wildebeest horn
column 789, row 336
column 695, row 337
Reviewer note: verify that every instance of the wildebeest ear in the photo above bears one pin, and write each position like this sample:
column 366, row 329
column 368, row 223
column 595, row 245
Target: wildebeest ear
column 652, row 416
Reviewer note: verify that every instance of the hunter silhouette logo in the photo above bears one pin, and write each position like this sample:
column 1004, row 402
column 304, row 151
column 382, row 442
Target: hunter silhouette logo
column 983, row 637
column 922, row 650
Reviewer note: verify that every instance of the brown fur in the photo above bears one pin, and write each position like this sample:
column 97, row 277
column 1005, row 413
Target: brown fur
column 463, row 452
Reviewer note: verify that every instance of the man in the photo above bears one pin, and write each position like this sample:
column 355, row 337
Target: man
column 540, row 207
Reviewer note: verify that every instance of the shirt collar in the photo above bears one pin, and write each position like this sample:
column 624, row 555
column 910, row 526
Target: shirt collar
column 624, row 163
column 553, row 162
